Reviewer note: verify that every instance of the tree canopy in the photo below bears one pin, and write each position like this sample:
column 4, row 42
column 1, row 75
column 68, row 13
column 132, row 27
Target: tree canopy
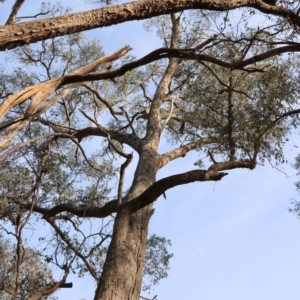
column 74, row 120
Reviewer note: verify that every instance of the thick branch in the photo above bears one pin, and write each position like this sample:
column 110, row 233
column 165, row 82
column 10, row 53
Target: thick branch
column 183, row 54
column 84, row 212
column 159, row 187
column 129, row 139
column 15, row 35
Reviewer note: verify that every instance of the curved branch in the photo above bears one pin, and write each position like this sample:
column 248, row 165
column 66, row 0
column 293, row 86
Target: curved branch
column 183, row 54
column 160, row 186
column 96, row 93
column 71, row 246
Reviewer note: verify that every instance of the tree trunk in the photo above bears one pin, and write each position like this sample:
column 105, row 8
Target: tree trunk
column 124, row 266
column 123, row 269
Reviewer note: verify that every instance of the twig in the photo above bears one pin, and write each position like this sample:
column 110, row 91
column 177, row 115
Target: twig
column 30, row 17
column 211, row 156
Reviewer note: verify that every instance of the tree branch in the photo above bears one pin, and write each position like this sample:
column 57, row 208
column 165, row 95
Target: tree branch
column 160, row 186
column 129, row 139
column 11, row 19
column 15, row 35
column 41, row 91
column 183, row 54
column 84, row 212
column 183, row 150
column 71, row 246
column 49, row 289
column 154, row 127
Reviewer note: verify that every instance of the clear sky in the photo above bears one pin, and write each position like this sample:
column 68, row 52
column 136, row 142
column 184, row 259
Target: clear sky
column 232, row 240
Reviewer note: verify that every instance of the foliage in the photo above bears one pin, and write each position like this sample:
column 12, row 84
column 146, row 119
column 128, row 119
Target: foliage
column 157, row 260
column 34, row 273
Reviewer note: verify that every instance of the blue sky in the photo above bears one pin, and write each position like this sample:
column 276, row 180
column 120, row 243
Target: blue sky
column 232, row 240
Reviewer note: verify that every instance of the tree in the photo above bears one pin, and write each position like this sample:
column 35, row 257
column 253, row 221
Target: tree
column 34, row 274
column 228, row 95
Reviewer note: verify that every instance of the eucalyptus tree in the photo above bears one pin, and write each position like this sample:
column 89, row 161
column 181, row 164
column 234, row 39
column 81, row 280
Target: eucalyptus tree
column 226, row 94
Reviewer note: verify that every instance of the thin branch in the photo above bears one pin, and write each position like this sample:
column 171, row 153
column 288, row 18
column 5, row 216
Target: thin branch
column 183, row 150
column 112, row 111
column 129, row 158
column 121, row 180
column 32, row 17
column 18, row 4
column 71, row 246
column 170, row 114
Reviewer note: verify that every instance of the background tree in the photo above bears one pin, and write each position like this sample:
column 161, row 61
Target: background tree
column 225, row 95
column 34, row 274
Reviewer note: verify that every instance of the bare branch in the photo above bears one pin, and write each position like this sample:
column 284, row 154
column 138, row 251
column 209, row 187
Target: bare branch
column 122, row 169
column 71, row 246
column 112, row 111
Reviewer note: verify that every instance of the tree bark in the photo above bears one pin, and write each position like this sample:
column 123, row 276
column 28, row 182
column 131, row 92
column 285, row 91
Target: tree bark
column 124, row 266
column 123, row 270
column 15, row 35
